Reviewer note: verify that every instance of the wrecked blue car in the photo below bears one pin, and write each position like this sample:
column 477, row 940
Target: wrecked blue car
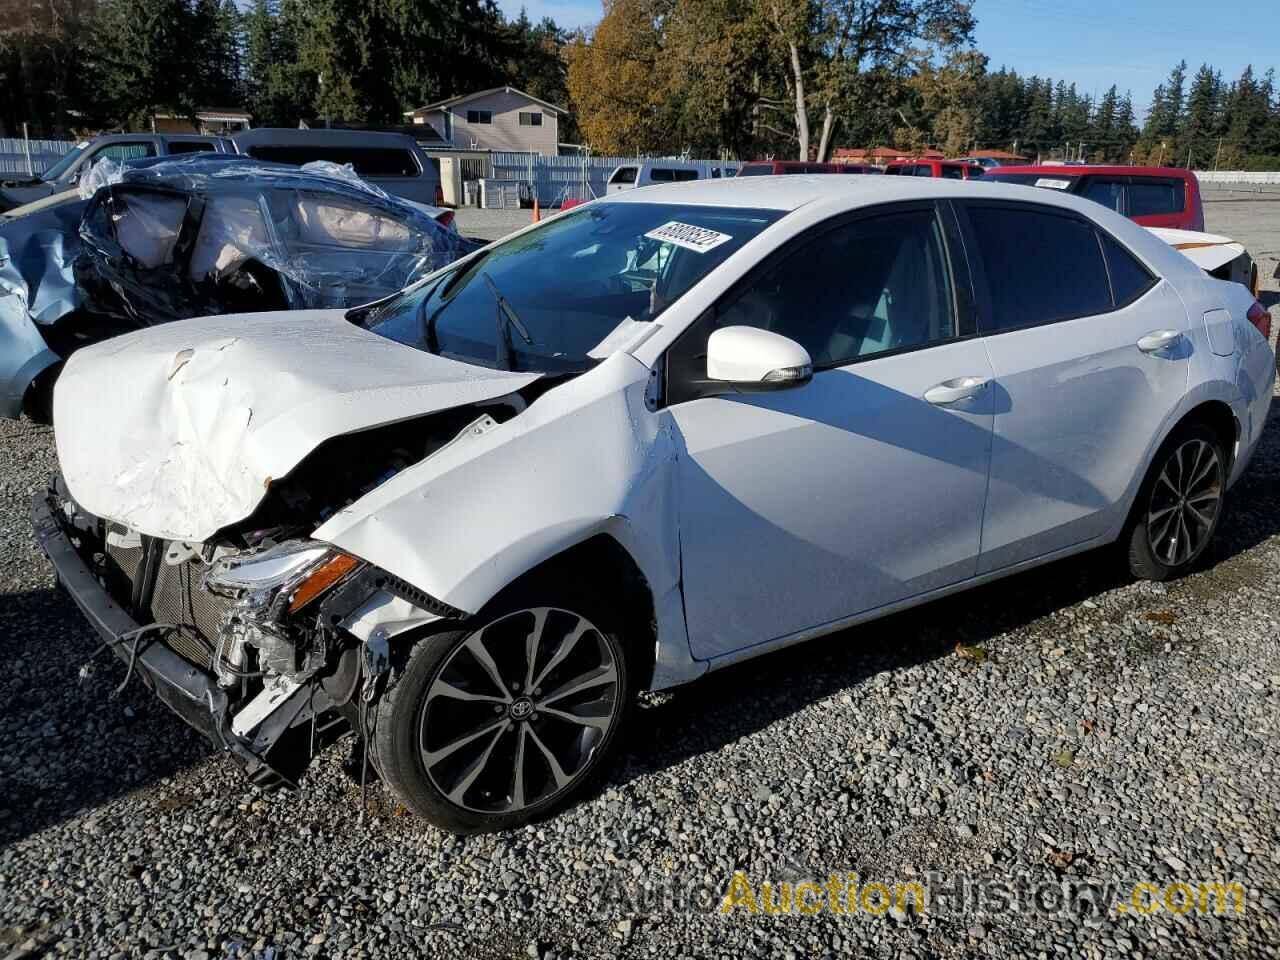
column 151, row 241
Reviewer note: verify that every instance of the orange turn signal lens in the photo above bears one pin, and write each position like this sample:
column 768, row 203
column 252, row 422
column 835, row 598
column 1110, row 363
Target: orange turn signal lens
column 321, row 579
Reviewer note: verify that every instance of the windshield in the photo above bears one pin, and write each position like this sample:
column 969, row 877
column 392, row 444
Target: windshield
column 68, row 158
column 569, row 283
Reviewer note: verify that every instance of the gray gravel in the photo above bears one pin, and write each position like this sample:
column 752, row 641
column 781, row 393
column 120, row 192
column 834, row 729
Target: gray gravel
column 1063, row 725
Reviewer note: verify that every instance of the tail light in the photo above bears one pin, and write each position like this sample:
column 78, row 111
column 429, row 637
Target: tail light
column 445, row 219
column 1260, row 318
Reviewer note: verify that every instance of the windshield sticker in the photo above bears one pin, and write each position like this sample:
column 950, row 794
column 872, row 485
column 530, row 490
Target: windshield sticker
column 688, row 236
column 1053, row 184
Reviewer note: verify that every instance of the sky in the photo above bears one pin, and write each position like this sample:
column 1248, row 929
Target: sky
column 1093, row 43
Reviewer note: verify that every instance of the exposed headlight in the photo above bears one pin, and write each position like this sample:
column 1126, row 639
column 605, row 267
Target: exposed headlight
column 300, row 571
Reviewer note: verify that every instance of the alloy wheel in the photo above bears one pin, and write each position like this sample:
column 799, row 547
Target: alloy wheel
column 1185, row 503
column 518, row 710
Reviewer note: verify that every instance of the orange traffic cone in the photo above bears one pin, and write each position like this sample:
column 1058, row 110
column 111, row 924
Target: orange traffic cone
column 537, row 215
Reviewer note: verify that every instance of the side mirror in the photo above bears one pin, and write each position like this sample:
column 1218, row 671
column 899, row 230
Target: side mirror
column 751, row 360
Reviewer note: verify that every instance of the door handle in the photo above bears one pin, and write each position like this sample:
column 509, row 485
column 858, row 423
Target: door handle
column 952, row 391
column 1158, row 340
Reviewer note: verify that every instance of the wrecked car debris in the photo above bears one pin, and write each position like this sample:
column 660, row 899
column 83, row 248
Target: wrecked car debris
column 167, row 239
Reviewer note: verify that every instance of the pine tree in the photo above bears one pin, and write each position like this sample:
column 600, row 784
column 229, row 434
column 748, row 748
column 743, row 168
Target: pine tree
column 1202, row 122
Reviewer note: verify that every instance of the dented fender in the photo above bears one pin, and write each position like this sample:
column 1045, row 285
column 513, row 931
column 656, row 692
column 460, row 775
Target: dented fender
column 469, row 520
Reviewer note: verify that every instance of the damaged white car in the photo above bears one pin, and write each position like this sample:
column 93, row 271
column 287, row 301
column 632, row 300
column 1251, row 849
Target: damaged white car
column 647, row 438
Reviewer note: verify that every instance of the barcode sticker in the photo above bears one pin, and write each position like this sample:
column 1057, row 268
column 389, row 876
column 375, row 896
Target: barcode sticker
column 688, row 236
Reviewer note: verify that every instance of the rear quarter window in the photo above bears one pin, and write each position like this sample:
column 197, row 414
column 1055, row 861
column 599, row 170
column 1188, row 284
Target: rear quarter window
column 1153, row 198
column 1040, row 266
column 1129, row 278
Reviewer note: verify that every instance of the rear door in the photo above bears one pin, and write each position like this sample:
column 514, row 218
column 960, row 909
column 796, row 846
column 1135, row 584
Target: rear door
column 1089, row 353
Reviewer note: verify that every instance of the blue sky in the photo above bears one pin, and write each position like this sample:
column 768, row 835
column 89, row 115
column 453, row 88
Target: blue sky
column 1095, row 43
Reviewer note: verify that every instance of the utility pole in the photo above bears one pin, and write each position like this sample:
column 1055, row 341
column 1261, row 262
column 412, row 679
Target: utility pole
column 26, row 145
column 1217, row 156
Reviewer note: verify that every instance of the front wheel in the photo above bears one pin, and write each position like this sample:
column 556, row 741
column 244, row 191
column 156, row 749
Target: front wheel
column 1179, row 504
column 492, row 726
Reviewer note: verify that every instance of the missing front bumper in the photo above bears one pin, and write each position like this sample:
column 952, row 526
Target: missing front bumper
column 192, row 693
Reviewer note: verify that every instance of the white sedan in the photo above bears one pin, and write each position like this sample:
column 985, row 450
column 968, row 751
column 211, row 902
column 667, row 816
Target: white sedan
column 664, row 432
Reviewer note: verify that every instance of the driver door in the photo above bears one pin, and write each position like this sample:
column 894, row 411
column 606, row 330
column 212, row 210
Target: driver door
column 802, row 507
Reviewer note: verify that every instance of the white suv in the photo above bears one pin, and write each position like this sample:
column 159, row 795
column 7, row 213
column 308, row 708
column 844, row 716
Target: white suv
column 667, row 431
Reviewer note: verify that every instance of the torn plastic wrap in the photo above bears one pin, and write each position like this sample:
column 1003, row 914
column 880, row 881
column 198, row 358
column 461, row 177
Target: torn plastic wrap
column 199, row 235
column 37, row 287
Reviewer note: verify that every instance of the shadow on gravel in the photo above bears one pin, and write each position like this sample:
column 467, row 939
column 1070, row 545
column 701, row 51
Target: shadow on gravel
column 746, row 698
column 65, row 746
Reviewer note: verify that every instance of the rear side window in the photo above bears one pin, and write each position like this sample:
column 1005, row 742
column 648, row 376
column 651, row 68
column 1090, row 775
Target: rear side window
column 1129, row 278
column 953, row 173
column 756, row 170
column 624, row 175
column 1040, row 267
column 669, row 175
column 190, row 146
column 1151, row 198
column 1106, row 192
column 367, row 161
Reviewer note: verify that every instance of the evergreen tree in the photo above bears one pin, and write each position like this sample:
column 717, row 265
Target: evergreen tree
column 1201, row 124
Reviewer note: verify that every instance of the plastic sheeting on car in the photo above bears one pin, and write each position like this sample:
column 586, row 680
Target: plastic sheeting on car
column 175, row 238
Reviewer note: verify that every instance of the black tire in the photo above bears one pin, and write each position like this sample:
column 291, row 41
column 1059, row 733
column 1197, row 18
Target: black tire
column 402, row 731
column 1154, row 552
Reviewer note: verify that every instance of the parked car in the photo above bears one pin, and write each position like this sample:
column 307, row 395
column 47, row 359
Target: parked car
column 944, row 169
column 986, row 163
column 170, row 238
column 1220, row 257
column 393, row 161
column 64, row 174
column 644, row 173
column 1151, row 196
column 645, row 439
column 771, row 168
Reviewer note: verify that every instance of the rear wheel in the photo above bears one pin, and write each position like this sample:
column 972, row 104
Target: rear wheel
column 493, row 726
column 1178, row 508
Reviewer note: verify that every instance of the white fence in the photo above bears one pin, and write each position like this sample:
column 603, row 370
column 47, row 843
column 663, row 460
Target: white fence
column 44, row 154
column 553, row 179
column 1238, row 176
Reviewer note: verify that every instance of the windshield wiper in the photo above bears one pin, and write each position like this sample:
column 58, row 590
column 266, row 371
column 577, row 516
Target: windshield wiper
column 507, row 319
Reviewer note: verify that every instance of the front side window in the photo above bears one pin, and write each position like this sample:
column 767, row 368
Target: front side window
column 126, row 151
column 624, row 175
column 1040, row 266
column 1153, row 198
column 530, row 119
column 571, row 282
column 479, row 116
column 865, row 288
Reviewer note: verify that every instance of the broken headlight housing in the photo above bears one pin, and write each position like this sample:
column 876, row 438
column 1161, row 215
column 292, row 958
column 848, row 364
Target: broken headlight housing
column 268, row 587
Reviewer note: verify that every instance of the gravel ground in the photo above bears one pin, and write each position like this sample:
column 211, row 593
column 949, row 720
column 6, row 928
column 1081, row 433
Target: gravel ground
column 1059, row 727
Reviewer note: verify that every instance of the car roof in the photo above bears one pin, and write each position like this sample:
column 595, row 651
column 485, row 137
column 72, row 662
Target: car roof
column 1091, row 169
column 791, row 191
column 148, row 135
column 293, row 137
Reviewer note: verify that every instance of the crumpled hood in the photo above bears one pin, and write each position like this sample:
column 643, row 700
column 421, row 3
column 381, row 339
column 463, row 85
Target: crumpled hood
column 178, row 430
